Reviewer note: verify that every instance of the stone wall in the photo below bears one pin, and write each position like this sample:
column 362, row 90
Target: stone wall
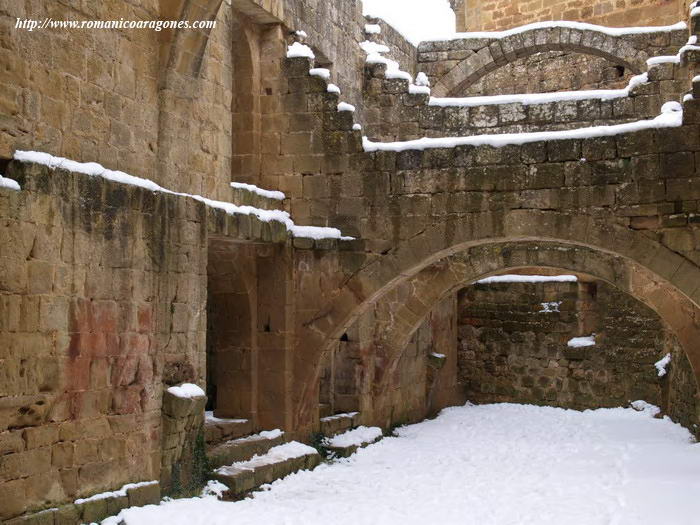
column 552, row 71
column 513, row 348
column 102, row 290
column 87, row 95
column 395, row 114
column 455, row 65
column 497, row 15
column 123, row 98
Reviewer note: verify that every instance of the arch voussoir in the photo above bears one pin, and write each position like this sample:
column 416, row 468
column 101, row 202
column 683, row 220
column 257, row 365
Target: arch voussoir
column 678, row 313
column 498, row 52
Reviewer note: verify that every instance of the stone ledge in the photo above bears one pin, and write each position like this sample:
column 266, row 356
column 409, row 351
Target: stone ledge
column 92, row 511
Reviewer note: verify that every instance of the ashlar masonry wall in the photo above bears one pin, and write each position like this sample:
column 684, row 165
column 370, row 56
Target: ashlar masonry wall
column 513, row 348
column 102, row 306
column 497, row 15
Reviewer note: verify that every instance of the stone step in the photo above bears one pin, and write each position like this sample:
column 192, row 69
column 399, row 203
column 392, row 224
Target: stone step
column 250, row 195
column 332, row 425
column 217, row 429
column 280, row 461
column 346, row 444
column 243, row 449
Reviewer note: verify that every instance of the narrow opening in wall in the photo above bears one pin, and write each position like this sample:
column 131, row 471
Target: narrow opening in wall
column 4, row 163
column 344, row 337
column 230, row 341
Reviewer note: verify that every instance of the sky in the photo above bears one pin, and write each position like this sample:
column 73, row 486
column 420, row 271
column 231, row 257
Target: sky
column 416, row 19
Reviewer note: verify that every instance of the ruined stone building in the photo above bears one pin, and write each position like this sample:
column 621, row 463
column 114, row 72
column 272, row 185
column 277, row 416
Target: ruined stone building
column 351, row 297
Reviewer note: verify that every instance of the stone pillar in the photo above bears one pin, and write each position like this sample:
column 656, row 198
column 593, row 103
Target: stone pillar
column 183, row 457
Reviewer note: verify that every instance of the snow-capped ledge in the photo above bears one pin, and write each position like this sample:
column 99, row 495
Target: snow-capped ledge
column 662, row 364
column 268, row 194
column 97, row 170
column 610, row 31
column 299, row 50
column 513, row 278
column 186, row 391
column 9, row 184
column 581, row 342
column 542, row 98
column 671, row 117
column 122, row 492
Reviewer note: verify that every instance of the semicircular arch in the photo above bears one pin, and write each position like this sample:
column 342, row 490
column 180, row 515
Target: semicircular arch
column 328, row 322
column 538, row 40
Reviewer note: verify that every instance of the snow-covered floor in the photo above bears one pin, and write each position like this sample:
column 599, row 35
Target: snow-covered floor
column 484, row 465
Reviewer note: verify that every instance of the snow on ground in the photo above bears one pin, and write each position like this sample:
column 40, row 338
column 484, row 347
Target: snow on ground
column 416, row 20
column 483, row 465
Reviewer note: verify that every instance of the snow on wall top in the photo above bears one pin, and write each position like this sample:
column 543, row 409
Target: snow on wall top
column 116, row 493
column 269, row 194
column 671, row 117
column 186, row 390
column 542, row 98
column 97, row 170
column 529, row 279
column 297, row 50
column 611, row 31
column 9, row 184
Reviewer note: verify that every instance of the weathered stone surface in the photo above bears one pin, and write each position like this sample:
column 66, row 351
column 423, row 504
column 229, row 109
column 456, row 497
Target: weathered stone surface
column 109, row 293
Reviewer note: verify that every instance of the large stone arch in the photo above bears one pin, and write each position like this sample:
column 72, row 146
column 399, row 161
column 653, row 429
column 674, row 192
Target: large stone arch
column 433, row 284
column 490, row 54
column 368, row 284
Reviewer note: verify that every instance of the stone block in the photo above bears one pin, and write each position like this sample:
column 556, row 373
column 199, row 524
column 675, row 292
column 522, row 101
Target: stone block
column 117, row 504
column 93, row 511
column 239, row 481
column 144, row 495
